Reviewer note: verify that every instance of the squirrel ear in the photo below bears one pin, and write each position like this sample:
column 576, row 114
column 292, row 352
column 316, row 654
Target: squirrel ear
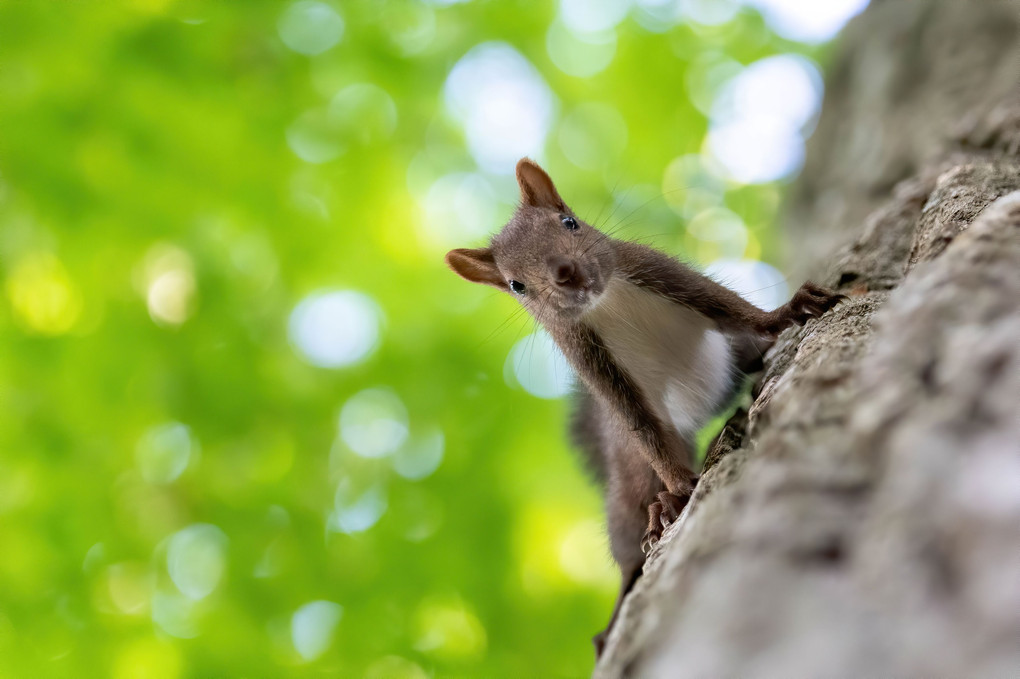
column 477, row 266
column 537, row 189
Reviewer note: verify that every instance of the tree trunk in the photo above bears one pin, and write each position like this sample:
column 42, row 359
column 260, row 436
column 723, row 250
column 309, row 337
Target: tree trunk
column 862, row 517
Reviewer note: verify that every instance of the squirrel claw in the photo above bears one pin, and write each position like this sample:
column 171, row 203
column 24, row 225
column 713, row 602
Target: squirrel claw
column 672, row 505
column 810, row 301
column 648, row 542
column 664, row 511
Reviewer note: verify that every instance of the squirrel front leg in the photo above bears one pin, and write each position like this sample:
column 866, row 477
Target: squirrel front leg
column 657, row 271
column 810, row 301
column 666, row 454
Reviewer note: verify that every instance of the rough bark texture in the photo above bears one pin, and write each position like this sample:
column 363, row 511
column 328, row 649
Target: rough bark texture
column 862, row 517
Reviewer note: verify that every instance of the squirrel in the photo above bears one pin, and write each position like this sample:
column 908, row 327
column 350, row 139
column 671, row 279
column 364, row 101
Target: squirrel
column 659, row 349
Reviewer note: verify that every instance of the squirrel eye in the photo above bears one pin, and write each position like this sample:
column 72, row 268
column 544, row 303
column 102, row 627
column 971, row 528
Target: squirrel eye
column 569, row 222
column 517, row 287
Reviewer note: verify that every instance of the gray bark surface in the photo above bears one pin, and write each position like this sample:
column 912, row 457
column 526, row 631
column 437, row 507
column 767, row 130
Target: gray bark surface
column 862, row 517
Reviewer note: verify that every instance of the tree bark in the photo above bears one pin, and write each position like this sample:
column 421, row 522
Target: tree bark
column 862, row 517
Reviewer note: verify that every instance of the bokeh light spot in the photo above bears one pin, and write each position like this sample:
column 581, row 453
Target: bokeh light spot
column 42, row 296
column 706, row 75
column 170, row 297
column 312, row 627
column 656, row 16
column 129, row 585
column 536, row 364
column 359, row 114
column 310, row 27
column 174, row 614
column 163, row 452
column 505, row 106
column 759, row 283
column 365, row 112
column 592, row 16
column 689, row 188
column 808, row 21
column 761, row 116
column 421, row 455
column 557, row 548
column 196, row 559
column 411, row 27
column 373, row 422
column 721, row 227
column 579, row 54
column 335, row 329
column 316, row 136
column 169, row 284
column 584, row 555
column 787, row 87
column 356, row 509
column 459, row 208
column 708, row 12
column 395, row 667
column 757, row 150
column 449, row 629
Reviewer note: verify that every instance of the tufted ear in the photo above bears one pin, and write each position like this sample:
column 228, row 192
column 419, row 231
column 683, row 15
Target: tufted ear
column 477, row 265
column 537, row 189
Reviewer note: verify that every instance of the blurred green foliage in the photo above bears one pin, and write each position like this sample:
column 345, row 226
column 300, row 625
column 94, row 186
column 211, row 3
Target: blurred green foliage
column 169, row 461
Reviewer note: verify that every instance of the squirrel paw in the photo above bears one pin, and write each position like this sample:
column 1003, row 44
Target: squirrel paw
column 810, row 301
column 664, row 511
column 672, row 505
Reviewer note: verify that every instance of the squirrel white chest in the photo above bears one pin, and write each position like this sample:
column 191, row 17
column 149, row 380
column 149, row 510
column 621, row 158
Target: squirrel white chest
column 680, row 362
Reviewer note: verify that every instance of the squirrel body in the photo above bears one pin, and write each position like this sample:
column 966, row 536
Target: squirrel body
column 657, row 346
column 676, row 356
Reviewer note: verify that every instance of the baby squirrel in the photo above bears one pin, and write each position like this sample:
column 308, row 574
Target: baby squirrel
column 658, row 347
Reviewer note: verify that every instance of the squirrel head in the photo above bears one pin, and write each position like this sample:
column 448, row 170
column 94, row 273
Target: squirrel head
column 552, row 261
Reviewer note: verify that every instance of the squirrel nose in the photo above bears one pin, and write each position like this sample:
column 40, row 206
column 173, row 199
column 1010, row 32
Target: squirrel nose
column 564, row 271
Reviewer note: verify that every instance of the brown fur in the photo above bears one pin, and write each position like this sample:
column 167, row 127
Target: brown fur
column 565, row 265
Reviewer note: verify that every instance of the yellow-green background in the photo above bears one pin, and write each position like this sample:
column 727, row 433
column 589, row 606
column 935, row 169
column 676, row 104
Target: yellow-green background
column 129, row 131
